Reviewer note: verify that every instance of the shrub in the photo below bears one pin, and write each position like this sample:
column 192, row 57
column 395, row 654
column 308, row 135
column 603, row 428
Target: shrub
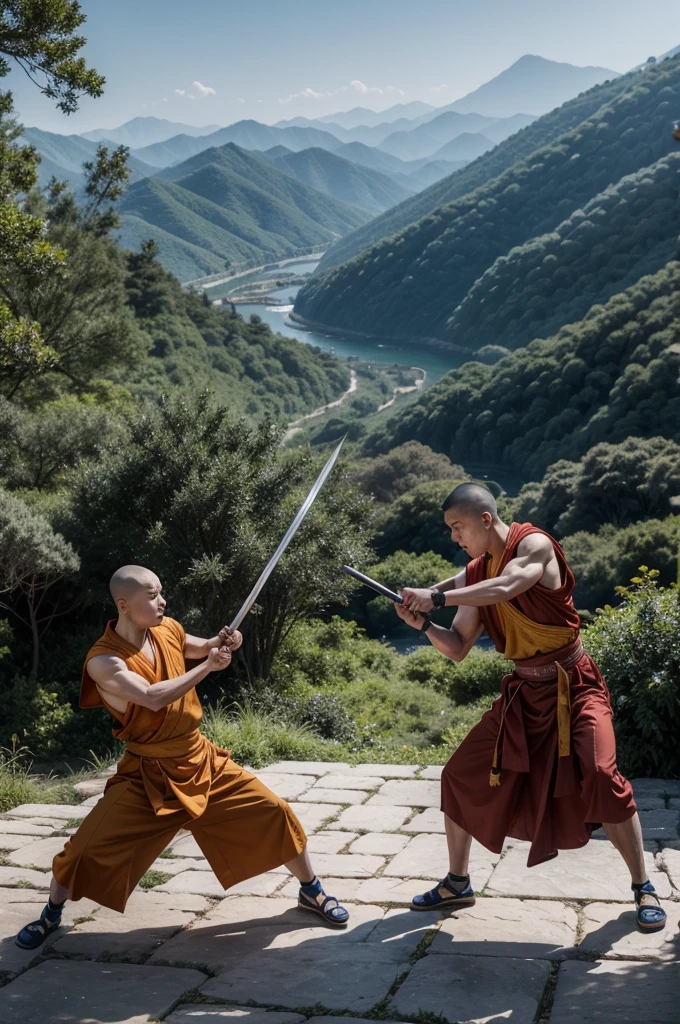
column 637, row 647
column 256, row 738
column 478, row 675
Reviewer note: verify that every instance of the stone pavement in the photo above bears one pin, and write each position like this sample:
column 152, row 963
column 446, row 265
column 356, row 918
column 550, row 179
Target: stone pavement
column 556, row 944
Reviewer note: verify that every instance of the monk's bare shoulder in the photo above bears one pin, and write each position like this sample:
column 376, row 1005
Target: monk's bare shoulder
column 104, row 667
column 536, row 546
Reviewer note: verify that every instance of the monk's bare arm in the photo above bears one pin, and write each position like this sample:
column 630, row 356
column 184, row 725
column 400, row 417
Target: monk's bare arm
column 195, row 647
column 454, row 643
column 457, row 642
column 114, row 679
column 452, row 583
column 522, row 572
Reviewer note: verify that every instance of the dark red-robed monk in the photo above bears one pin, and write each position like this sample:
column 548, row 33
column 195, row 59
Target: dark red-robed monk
column 541, row 764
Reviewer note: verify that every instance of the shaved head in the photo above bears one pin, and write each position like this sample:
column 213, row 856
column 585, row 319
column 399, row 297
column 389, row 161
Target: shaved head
column 130, row 579
column 471, row 500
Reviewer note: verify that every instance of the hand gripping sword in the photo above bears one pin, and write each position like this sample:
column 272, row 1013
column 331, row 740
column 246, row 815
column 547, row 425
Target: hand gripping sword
column 290, row 533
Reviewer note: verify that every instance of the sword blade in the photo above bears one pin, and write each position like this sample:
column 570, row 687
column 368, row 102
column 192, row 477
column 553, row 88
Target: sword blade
column 373, row 584
column 290, row 533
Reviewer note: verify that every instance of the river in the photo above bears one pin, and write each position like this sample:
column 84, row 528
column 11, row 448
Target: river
column 379, row 350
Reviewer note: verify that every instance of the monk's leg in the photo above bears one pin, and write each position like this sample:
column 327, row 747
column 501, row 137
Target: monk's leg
column 609, row 799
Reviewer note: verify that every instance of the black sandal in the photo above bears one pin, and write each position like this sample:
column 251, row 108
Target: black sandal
column 34, row 934
column 649, row 919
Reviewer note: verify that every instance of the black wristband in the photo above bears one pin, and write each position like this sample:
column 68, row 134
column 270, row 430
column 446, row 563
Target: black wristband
column 427, row 622
column 438, row 598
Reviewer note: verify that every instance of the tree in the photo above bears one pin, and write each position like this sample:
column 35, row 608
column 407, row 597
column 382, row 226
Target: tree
column 33, row 560
column 613, row 483
column 390, row 475
column 203, row 500
column 40, row 37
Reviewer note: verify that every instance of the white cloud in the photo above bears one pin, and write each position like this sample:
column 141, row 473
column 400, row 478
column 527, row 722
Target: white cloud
column 165, row 99
column 358, row 86
column 241, row 100
column 439, row 88
column 203, row 90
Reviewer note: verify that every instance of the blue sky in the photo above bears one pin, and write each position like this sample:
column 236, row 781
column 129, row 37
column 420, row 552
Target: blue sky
column 217, row 61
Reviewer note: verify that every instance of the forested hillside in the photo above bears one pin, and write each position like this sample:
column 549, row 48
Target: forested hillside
column 611, row 375
column 411, row 283
column 541, row 133
column 228, row 204
column 629, row 230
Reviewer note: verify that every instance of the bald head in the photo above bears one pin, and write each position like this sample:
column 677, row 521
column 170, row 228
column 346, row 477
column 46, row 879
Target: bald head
column 471, row 500
column 129, row 580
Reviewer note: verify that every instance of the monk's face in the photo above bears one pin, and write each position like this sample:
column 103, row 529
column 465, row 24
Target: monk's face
column 470, row 531
column 144, row 603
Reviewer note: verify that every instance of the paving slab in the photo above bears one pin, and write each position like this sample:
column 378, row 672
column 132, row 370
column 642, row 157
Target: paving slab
column 348, row 780
column 472, row 989
column 646, row 800
column 383, row 844
column 669, row 861
column 186, row 847
column 347, row 865
column 173, row 865
column 205, row 883
column 610, row 990
column 426, row 856
column 660, row 824
column 320, row 795
column 345, row 1020
column 313, row 816
column 373, row 819
column 91, row 801
column 344, row 889
column 204, row 1013
column 429, row 820
column 40, row 852
column 79, row 992
column 526, row 929
column 407, row 793
column 433, row 772
column 610, row 930
column 595, row 872
column 18, row 876
column 405, row 928
column 17, row 827
column 11, row 843
column 308, row 767
column 91, row 787
column 351, row 976
column 670, row 787
column 331, row 842
column 286, row 786
column 390, row 890
column 387, row 771
column 150, row 919
column 240, row 926
column 17, row 908
column 62, row 812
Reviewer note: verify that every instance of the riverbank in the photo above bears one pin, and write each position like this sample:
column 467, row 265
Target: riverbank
column 437, row 344
column 296, row 424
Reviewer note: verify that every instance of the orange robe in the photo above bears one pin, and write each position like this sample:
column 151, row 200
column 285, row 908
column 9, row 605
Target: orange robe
column 541, row 764
column 171, row 777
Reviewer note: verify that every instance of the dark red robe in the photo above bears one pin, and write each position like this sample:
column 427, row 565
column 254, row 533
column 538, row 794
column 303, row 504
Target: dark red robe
column 553, row 802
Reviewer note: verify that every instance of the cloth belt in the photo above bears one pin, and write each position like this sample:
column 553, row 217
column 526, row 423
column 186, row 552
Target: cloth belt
column 545, row 668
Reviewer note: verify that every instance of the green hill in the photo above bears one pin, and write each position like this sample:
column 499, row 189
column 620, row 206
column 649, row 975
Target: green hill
column 412, row 283
column 541, row 132
column 229, row 204
column 348, row 182
column 614, row 374
column 63, row 156
column 625, row 232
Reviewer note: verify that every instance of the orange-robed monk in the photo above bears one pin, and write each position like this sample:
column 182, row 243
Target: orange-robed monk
column 541, row 764
column 170, row 777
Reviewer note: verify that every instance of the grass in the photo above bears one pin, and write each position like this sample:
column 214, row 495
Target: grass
column 153, row 878
column 19, row 786
column 257, row 738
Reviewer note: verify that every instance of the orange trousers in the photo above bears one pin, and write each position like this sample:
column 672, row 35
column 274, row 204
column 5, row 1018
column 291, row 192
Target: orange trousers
column 244, row 830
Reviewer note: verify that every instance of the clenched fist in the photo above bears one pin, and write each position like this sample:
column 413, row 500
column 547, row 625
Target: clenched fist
column 230, row 638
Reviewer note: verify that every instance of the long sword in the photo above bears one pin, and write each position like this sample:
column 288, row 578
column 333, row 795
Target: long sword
column 290, row 533
column 373, row 584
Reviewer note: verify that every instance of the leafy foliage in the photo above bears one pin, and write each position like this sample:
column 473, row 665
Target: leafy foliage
column 390, row 475
column 637, row 646
column 612, row 375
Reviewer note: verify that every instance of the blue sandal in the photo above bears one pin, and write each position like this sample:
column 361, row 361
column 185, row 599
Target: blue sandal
column 433, row 900
column 34, row 934
column 334, row 915
column 649, row 919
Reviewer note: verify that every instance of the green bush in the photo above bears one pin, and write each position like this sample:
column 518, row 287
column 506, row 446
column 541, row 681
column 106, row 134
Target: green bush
column 478, row 675
column 637, row 647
